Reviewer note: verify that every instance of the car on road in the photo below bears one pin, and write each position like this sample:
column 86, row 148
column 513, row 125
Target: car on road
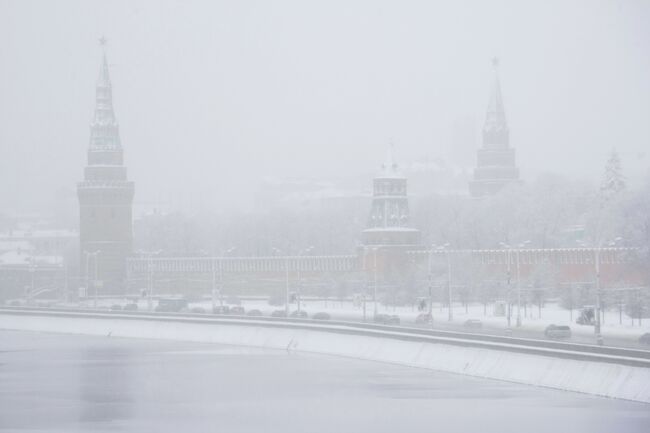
column 423, row 318
column 557, row 331
column 171, row 306
column 299, row 314
column 198, row 310
column 237, row 310
column 279, row 313
column 116, row 307
column 473, row 324
column 220, row 309
column 254, row 313
column 131, row 307
column 645, row 338
column 387, row 319
column 321, row 316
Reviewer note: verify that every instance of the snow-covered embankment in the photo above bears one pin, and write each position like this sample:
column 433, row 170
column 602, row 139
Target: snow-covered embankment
column 597, row 378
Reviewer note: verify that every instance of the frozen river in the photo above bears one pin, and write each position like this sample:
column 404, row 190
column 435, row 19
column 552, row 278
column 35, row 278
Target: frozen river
column 60, row 383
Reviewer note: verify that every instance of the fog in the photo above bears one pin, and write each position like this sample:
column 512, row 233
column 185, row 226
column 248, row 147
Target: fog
column 359, row 215
column 213, row 98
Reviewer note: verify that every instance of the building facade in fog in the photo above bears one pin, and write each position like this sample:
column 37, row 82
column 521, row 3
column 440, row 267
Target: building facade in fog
column 105, row 199
column 495, row 164
column 388, row 222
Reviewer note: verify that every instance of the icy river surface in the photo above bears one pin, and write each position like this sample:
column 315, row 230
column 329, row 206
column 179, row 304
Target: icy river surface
column 64, row 383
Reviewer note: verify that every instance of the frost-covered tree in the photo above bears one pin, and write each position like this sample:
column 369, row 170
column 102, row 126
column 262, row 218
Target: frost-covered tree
column 613, row 180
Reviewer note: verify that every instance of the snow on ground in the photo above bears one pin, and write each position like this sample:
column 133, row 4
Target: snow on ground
column 345, row 310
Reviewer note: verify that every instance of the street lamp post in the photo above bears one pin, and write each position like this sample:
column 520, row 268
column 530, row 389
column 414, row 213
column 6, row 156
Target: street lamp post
column 451, row 311
column 519, row 247
column 286, row 286
column 299, row 295
column 597, row 252
column 430, row 287
column 518, row 290
column 518, row 268
column 95, row 256
column 214, row 283
column 150, row 283
column 374, row 295
column 221, row 283
column 508, row 259
column 32, row 271
column 599, row 336
column 365, row 281
column 445, row 248
column 96, row 277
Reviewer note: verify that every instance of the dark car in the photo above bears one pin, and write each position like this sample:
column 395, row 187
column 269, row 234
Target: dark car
column 198, row 310
column 387, row 319
column 220, row 309
column 645, row 338
column 299, row 314
column 473, row 324
column 279, row 313
column 557, row 332
column 171, row 305
column 254, row 313
column 321, row 316
column 131, row 307
column 116, row 307
column 423, row 318
column 237, row 310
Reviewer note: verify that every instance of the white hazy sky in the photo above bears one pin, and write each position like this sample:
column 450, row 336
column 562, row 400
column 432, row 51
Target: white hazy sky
column 212, row 96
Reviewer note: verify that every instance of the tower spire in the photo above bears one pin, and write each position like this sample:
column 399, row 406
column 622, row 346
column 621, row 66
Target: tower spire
column 104, row 78
column 390, row 167
column 104, row 130
column 495, row 129
column 495, row 159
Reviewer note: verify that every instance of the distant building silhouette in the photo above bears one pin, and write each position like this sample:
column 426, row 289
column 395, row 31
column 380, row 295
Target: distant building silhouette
column 495, row 159
column 105, row 198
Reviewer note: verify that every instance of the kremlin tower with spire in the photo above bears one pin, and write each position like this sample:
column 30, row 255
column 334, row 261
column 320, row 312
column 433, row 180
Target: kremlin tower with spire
column 105, row 198
column 495, row 159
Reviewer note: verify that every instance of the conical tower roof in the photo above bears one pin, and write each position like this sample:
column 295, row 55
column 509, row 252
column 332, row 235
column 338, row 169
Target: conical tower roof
column 104, row 130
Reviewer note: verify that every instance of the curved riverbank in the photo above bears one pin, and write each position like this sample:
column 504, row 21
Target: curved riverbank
column 606, row 379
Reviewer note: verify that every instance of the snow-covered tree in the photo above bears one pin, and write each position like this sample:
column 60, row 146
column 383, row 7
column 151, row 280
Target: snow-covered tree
column 613, row 180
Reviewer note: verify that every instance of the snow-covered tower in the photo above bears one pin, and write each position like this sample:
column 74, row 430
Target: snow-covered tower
column 388, row 222
column 495, row 159
column 105, row 197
